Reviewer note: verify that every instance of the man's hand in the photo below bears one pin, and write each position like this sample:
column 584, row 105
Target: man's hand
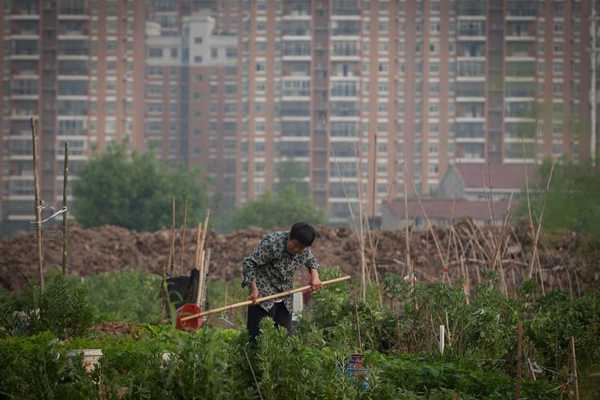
column 253, row 292
column 315, row 282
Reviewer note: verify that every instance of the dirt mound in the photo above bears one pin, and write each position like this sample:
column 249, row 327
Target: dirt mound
column 461, row 251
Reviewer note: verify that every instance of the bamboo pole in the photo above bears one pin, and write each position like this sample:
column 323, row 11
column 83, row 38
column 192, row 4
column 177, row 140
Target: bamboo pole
column 409, row 264
column 575, row 375
column 172, row 245
column 519, row 360
column 183, row 229
column 263, row 299
column 535, row 257
column 435, row 240
column 198, row 249
column 205, row 266
column 38, row 201
column 65, row 213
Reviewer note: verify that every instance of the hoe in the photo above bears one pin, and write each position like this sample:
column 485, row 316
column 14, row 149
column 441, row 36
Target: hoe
column 190, row 317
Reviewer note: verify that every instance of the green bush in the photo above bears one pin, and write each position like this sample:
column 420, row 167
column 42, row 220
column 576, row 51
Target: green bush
column 215, row 364
column 126, row 296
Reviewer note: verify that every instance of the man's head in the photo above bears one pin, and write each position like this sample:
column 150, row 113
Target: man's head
column 301, row 236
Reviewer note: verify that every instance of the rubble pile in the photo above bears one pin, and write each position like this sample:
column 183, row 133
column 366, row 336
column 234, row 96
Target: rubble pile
column 463, row 251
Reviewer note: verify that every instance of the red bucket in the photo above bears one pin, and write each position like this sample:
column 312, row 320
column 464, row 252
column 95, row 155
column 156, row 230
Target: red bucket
column 191, row 324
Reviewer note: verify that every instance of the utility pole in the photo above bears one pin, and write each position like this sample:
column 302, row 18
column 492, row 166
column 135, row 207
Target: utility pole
column 593, row 101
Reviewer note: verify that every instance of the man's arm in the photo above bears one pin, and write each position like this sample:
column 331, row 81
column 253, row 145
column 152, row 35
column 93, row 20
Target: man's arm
column 313, row 270
column 261, row 255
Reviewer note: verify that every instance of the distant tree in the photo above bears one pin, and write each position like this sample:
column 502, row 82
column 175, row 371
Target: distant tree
column 572, row 201
column 135, row 191
column 278, row 210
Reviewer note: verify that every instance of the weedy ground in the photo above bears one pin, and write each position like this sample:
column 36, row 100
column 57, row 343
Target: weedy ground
column 396, row 327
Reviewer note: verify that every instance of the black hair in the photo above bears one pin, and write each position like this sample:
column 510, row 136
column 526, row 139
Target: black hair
column 303, row 233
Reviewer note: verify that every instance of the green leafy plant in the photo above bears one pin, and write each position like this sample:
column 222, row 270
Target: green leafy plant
column 126, row 296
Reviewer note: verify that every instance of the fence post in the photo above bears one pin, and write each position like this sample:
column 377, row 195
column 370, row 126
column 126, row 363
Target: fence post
column 65, row 182
column 38, row 200
column 519, row 360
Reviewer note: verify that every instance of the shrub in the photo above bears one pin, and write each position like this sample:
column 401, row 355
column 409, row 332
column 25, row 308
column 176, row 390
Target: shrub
column 64, row 308
column 127, row 296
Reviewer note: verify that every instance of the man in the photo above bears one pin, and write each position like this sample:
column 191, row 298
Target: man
column 270, row 270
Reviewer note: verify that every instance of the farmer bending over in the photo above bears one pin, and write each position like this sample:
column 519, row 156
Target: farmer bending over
column 270, row 270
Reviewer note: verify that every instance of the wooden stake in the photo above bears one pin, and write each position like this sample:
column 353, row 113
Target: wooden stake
column 205, row 266
column 183, row 229
column 172, row 245
column 65, row 213
column 575, row 375
column 466, row 280
column 442, row 341
column 519, row 360
column 198, row 249
column 38, row 201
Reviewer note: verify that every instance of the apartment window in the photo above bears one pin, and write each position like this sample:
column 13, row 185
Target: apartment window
column 198, row 40
column 295, row 108
column 344, row 129
column 433, row 48
column 155, row 52
column 382, row 88
column 557, row 67
column 346, row 28
column 214, row 52
column 260, row 66
column 296, row 48
column 155, row 108
column 230, row 88
column 76, row 7
column 231, row 52
column 295, row 128
column 344, row 89
column 558, row 27
column 345, row 48
column 73, row 88
column 344, row 109
column 24, row 87
column 293, row 149
column 71, row 127
column 296, row 28
column 471, row 28
column 557, row 88
column 296, row 88
column 558, row 8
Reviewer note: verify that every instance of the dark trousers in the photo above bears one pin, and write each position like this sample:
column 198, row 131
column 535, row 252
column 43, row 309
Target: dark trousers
column 278, row 313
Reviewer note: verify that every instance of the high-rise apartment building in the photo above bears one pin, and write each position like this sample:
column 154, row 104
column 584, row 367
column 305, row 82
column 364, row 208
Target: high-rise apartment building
column 78, row 65
column 372, row 97
column 191, row 90
column 369, row 98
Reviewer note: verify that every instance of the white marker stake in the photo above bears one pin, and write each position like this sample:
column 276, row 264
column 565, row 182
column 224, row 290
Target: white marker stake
column 442, row 338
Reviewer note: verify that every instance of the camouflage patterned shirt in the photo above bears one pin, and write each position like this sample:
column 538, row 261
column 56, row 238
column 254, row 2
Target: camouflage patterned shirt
column 273, row 268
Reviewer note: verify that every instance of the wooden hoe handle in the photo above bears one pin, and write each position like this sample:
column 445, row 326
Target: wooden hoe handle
column 261, row 299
